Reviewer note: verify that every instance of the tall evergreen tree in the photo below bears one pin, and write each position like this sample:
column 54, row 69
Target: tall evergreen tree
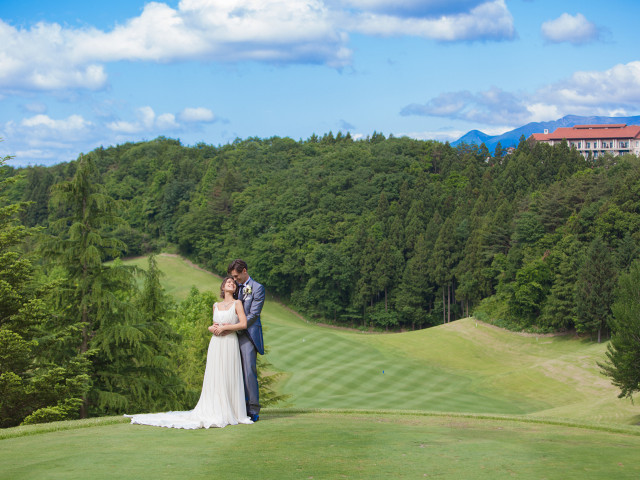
column 99, row 297
column 594, row 290
column 37, row 383
column 623, row 353
column 412, row 300
column 559, row 311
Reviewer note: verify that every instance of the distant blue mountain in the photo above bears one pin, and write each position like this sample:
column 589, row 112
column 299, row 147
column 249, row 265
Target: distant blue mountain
column 512, row 138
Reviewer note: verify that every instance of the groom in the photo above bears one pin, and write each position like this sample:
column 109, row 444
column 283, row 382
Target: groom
column 251, row 294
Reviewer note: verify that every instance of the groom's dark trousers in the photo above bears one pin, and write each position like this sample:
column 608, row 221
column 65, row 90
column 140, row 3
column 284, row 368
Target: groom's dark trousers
column 251, row 342
column 250, row 375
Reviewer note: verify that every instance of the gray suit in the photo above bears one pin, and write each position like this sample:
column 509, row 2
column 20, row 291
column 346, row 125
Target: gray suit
column 251, row 342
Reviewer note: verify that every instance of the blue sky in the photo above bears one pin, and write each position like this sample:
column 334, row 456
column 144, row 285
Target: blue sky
column 75, row 75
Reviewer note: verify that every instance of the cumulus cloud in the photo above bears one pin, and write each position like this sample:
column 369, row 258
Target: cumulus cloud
column 572, row 29
column 42, row 139
column 487, row 21
column 613, row 92
column 489, row 107
column 199, row 114
column 615, row 89
column 49, row 56
column 147, row 121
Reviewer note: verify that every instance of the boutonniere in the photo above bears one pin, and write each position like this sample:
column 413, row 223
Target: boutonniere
column 247, row 290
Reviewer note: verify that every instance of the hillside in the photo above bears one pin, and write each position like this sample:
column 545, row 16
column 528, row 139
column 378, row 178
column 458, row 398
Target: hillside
column 465, row 366
column 391, row 232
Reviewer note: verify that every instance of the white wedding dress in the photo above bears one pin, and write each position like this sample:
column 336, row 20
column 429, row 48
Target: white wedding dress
column 222, row 400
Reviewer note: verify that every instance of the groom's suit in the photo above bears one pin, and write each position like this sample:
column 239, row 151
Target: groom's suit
column 251, row 341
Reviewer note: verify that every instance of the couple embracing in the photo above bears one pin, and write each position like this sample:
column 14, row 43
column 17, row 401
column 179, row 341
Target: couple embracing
column 230, row 387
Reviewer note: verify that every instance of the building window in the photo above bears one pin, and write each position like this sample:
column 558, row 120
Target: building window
column 588, row 144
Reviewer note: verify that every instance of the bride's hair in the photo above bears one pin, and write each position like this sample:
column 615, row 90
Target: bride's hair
column 224, row 280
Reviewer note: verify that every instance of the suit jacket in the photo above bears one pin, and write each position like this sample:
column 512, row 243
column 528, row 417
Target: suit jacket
column 252, row 303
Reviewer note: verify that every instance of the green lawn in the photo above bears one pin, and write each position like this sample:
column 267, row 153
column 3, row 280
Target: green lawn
column 327, row 445
column 463, row 400
column 180, row 276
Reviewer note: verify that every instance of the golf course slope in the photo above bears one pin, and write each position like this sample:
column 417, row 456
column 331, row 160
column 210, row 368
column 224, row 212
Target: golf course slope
column 463, row 400
column 463, row 366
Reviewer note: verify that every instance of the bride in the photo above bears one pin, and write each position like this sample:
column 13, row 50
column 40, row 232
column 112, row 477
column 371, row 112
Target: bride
column 222, row 399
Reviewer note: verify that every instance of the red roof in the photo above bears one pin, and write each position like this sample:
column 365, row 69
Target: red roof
column 580, row 132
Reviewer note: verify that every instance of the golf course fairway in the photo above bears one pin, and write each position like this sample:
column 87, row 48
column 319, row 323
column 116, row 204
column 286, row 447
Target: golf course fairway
column 463, row 400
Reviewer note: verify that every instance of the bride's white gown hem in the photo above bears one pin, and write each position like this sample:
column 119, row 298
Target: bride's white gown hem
column 222, row 400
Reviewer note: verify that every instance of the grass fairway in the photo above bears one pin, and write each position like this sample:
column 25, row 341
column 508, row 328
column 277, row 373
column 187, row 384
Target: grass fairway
column 179, row 275
column 460, row 367
column 459, row 401
column 327, row 445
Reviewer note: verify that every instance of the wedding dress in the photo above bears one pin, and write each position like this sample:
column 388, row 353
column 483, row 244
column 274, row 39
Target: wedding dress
column 222, row 399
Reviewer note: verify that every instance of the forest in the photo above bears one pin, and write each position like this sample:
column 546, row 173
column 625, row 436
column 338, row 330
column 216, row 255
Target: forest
column 377, row 233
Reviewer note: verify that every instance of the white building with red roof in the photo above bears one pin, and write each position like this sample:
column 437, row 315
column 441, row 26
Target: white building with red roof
column 616, row 139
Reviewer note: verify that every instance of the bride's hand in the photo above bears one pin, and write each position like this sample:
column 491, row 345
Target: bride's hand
column 218, row 329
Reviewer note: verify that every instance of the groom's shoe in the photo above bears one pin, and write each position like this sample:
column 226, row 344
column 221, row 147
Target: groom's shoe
column 255, row 417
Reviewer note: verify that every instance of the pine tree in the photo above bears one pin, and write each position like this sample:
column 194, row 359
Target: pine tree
column 129, row 362
column 559, row 311
column 37, row 383
column 594, row 290
column 412, row 301
column 623, row 353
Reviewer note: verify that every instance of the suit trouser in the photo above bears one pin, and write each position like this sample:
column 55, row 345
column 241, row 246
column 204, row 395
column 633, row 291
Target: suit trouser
column 248, row 356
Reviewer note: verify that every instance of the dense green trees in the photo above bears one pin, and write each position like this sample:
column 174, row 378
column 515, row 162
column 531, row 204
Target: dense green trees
column 390, row 232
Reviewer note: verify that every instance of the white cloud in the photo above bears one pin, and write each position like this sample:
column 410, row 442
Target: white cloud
column 41, row 139
column 440, row 135
column 72, row 123
column 49, row 56
column 199, row 114
column 167, row 121
column 148, row 122
column 488, row 21
column 124, row 127
column 616, row 89
column 613, row 92
column 492, row 107
column 43, row 58
column 572, row 29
